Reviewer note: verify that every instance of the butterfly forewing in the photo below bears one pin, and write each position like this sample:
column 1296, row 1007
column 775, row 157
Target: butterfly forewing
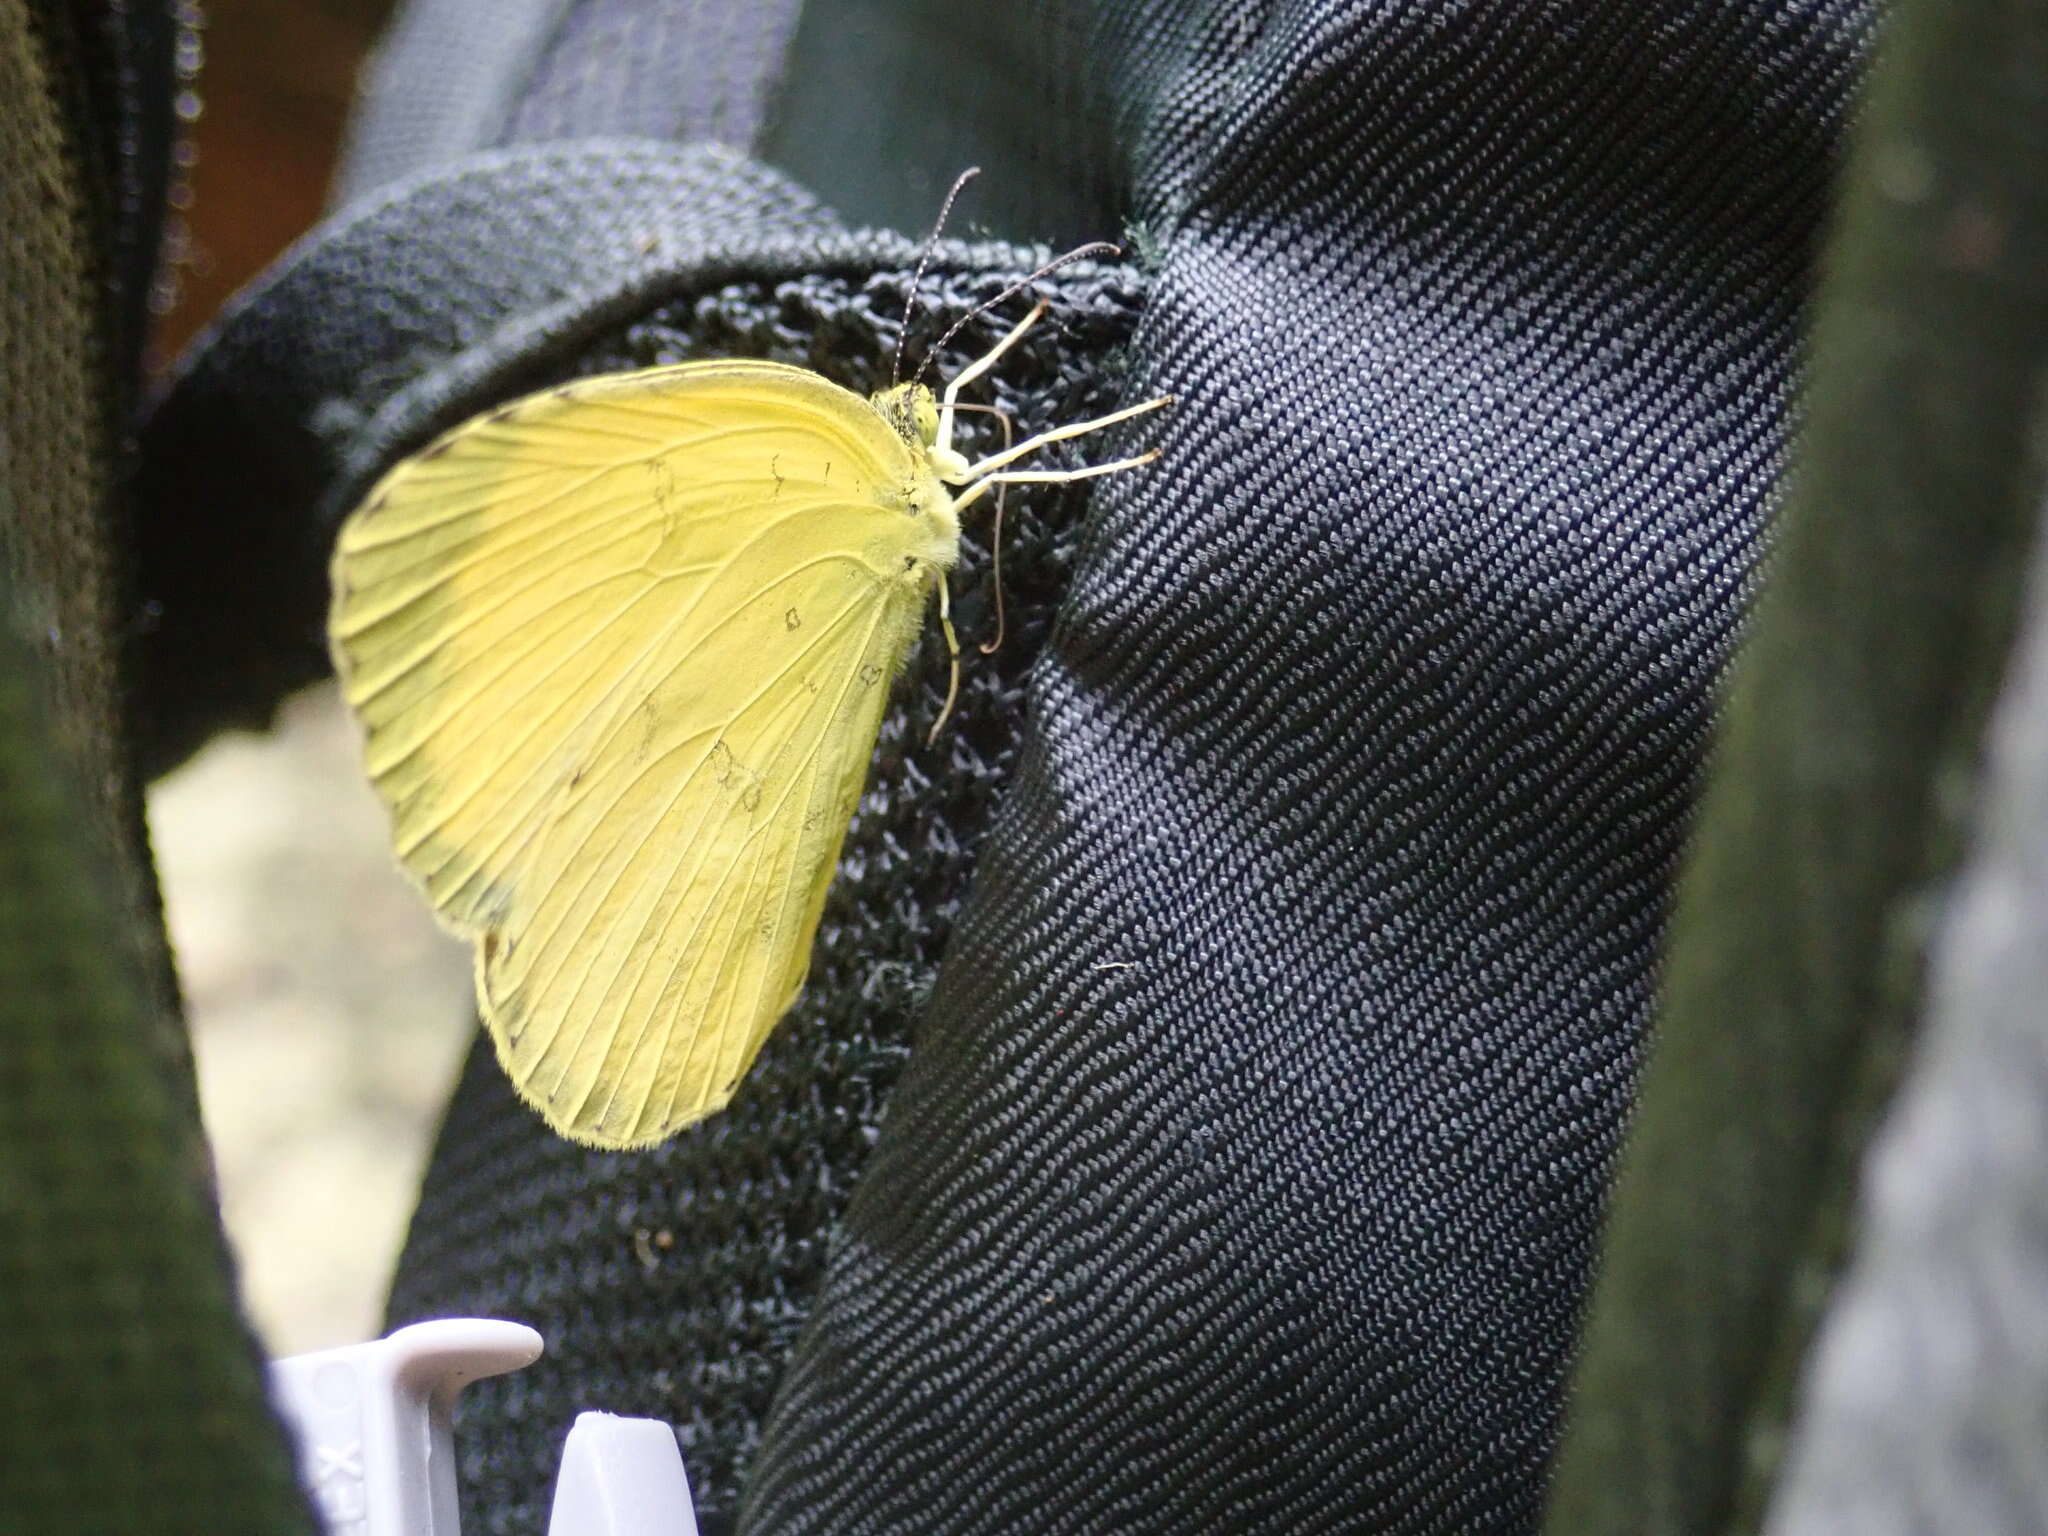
column 621, row 654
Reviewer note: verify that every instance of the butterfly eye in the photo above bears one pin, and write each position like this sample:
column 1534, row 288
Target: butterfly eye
column 924, row 414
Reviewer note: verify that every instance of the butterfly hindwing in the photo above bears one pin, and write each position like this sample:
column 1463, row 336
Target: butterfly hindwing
column 680, row 873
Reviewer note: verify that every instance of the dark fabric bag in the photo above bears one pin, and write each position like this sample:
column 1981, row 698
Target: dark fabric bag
column 1219, row 1045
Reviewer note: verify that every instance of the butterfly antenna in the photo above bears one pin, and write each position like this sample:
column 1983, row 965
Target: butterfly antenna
column 1078, row 253
column 924, row 258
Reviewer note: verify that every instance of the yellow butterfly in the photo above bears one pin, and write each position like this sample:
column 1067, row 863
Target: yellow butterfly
column 621, row 652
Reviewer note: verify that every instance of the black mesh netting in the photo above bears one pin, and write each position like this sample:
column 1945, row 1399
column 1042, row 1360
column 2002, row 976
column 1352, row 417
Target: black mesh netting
column 672, row 1283
column 1272, row 937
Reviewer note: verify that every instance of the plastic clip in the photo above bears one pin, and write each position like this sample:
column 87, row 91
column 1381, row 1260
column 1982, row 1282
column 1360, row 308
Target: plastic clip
column 377, row 1456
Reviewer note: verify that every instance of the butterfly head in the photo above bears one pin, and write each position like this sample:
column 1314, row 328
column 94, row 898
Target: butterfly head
column 913, row 410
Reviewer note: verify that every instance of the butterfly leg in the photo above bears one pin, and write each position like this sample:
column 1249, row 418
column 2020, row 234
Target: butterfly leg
column 974, row 370
column 1052, row 476
column 983, row 470
column 952, row 651
column 995, row 538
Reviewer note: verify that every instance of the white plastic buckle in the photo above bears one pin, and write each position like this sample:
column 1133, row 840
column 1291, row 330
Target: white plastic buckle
column 377, row 1457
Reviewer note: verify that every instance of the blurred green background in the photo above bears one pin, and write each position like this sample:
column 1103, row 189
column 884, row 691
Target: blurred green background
column 328, row 1012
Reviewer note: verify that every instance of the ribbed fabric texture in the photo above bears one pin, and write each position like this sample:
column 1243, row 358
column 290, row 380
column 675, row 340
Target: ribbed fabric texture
column 1245, row 1172
column 450, row 79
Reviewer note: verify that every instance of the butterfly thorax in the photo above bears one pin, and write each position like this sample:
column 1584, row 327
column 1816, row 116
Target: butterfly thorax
column 934, row 543
column 912, row 412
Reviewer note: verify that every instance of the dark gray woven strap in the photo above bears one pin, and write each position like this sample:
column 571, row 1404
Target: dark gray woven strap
column 1246, row 1171
column 458, row 77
